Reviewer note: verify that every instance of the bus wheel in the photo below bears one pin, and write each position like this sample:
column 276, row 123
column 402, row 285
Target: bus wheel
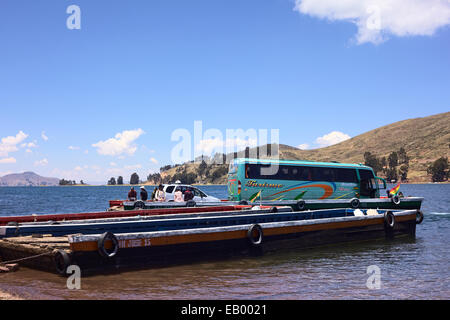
column 191, row 203
column 354, row 203
column 301, row 205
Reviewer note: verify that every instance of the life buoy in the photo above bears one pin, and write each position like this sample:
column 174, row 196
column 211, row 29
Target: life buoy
column 301, row 205
column 101, row 245
column 389, row 220
column 62, row 261
column 396, row 199
column 354, row 203
column 255, row 240
column 191, row 203
column 139, row 204
column 419, row 217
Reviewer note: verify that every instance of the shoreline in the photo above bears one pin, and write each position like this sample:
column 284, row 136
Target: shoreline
column 8, row 296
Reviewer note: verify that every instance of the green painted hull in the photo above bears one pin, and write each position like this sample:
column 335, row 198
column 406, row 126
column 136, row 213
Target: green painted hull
column 408, row 203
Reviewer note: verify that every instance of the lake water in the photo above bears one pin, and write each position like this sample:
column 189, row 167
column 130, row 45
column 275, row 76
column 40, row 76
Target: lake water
column 410, row 268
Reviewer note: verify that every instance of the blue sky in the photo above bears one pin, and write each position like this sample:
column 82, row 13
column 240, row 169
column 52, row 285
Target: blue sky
column 104, row 100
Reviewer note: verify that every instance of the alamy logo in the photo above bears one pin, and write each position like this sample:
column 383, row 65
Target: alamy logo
column 74, row 20
column 74, row 280
column 374, row 280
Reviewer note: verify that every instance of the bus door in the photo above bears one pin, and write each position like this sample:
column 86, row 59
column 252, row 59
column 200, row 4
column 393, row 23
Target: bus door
column 367, row 184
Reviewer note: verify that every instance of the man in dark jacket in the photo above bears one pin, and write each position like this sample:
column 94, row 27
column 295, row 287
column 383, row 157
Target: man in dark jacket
column 132, row 194
column 188, row 195
column 144, row 194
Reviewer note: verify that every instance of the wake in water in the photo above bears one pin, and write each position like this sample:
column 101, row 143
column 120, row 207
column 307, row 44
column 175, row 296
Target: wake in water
column 439, row 213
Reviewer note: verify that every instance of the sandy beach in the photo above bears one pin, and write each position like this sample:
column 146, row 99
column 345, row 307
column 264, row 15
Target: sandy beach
column 7, row 296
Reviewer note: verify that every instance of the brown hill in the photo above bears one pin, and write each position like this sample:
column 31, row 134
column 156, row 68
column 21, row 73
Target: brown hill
column 424, row 140
column 27, row 179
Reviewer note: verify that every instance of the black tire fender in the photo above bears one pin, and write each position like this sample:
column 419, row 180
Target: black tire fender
column 419, row 217
column 62, row 261
column 101, row 245
column 301, row 205
column 396, row 200
column 255, row 241
column 273, row 210
column 389, row 220
column 354, row 203
column 139, row 204
column 243, row 202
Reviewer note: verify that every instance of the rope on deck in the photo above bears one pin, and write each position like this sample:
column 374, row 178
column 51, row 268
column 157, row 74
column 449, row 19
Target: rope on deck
column 26, row 258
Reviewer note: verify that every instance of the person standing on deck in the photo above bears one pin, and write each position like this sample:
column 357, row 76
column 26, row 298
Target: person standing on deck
column 188, row 195
column 132, row 194
column 160, row 194
column 178, row 195
column 144, row 194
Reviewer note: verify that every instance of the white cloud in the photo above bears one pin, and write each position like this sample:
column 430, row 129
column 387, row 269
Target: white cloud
column 9, row 144
column 332, row 138
column 74, row 148
column 29, row 144
column 7, row 160
column 121, row 143
column 154, row 160
column 113, row 164
column 378, row 19
column 42, row 162
column 303, row 146
column 43, row 136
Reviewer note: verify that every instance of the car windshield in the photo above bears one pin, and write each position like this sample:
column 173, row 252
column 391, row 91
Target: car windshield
column 199, row 193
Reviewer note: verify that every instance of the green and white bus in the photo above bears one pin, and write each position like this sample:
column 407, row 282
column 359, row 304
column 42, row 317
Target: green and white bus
column 294, row 180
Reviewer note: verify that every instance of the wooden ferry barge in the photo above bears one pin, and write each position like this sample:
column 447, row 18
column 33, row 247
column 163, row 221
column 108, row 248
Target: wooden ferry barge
column 99, row 252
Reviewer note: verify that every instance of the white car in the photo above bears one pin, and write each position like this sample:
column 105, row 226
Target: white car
column 199, row 196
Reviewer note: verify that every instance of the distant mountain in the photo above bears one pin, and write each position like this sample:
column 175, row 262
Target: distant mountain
column 27, row 179
column 424, row 140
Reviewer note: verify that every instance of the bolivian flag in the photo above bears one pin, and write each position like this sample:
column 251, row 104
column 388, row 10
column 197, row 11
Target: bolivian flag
column 394, row 190
column 255, row 196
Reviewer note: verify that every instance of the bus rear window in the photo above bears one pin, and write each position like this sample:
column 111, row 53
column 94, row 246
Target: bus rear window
column 301, row 173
